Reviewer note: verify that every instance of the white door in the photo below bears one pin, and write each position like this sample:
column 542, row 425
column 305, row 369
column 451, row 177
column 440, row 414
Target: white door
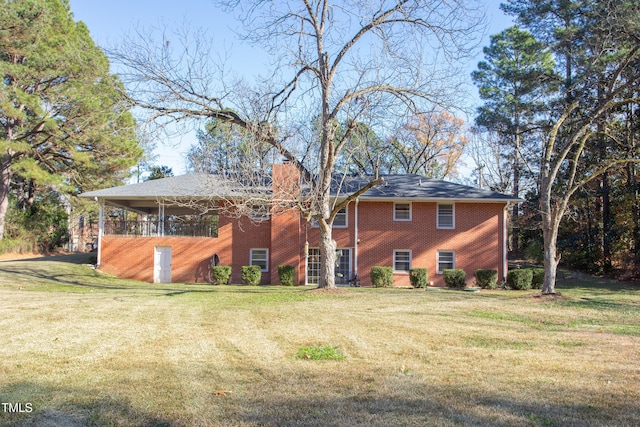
column 162, row 264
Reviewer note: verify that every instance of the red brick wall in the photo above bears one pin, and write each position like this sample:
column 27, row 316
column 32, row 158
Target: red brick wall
column 132, row 257
column 477, row 240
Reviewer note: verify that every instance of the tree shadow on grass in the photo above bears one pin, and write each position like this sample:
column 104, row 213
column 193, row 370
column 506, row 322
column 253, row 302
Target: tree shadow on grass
column 407, row 402
column 32, row 405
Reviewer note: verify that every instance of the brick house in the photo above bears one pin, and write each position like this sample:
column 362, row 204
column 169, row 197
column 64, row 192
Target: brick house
column 161, row 234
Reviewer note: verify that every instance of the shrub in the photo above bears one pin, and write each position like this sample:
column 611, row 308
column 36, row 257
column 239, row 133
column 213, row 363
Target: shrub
column 520, row 279
column 419, row 277
column 286, row 273
column 221, row 274
column 381, row 277
column 454, row 278
column 487, row 279
column 251, row 275
column 538, row 278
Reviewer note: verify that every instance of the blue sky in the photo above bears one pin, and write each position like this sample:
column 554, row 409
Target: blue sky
column 109, row 20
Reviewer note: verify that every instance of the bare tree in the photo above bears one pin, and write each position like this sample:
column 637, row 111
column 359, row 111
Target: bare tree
column 431, row 144
column 336, row 61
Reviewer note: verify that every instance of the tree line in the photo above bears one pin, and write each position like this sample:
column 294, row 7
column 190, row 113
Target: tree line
column 561, row 96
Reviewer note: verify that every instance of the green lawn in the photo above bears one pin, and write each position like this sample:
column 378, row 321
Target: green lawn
column 82, row 348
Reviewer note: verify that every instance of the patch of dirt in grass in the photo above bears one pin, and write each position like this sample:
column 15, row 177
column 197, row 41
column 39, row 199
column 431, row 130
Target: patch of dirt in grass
column 329, row 291
column 548, row 297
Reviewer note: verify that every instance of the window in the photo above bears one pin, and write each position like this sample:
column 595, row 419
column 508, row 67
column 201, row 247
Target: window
column 446, row 260
column 260, row 212
column 340, row 221
column 402, row 211
column 260, row 257
column 446, row 218
column 401, row 261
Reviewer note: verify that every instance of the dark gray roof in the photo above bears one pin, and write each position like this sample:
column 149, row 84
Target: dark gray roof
column 420, row 188
column 146, row 195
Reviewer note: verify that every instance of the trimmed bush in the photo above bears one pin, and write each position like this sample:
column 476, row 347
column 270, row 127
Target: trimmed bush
column 454, row 278
column 251, row 275
column 221, row 274
column 419, row 277
column 538, row 278
column 287, row 274
column 487, row 279
column 381, row 277
column 520, row 279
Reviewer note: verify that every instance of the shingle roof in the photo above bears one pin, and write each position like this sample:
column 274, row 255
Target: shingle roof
column 205, row 186
column 420, row 188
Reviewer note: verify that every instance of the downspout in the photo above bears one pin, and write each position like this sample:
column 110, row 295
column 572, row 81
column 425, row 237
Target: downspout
column 100, row 231
column 355, row 244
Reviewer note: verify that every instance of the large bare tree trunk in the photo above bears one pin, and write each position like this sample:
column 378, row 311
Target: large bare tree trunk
column 551, row 255
column 328, row 259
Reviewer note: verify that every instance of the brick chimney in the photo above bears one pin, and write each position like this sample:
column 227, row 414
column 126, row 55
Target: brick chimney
column 287, row 239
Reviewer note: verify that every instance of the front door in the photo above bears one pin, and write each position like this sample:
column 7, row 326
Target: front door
column 162, row 264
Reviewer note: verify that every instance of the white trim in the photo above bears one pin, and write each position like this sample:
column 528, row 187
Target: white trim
column 395, row 218
column 100, row 232
column 266, row 259
column 395, row 252
column 453, row 216
column 438, row 252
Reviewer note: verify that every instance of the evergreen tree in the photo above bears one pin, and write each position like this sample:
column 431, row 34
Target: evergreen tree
column 63, row 119
column 514, row 80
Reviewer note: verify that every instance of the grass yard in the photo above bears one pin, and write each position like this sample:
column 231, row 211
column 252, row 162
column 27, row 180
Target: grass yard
column 81, row 348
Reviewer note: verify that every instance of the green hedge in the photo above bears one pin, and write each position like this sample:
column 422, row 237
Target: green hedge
column 487, row 279
column 419, row 277
column 538, row 278
column 287, row 274
column 520, row 279
column 381, row 277
column 251, row 275
column 454, row 278
column 221, row 274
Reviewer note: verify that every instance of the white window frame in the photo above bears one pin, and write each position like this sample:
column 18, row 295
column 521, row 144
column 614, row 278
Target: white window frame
column 395, row 211
column 453, row 217
column 453, row 261
column 342, row 212
column 395, row 260
column 253, row 259
column 256, row 215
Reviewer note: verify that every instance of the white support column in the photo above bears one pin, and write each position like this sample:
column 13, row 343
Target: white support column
column 100, row 232
column 161, row 219
column 505, row 240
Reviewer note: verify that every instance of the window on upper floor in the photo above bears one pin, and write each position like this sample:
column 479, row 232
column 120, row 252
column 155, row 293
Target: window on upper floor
column 401, row 261
column 446, row 260
column 446, row 216
column 340, row 221
column 402, row 211
column 260, row 212
column 260, row 257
